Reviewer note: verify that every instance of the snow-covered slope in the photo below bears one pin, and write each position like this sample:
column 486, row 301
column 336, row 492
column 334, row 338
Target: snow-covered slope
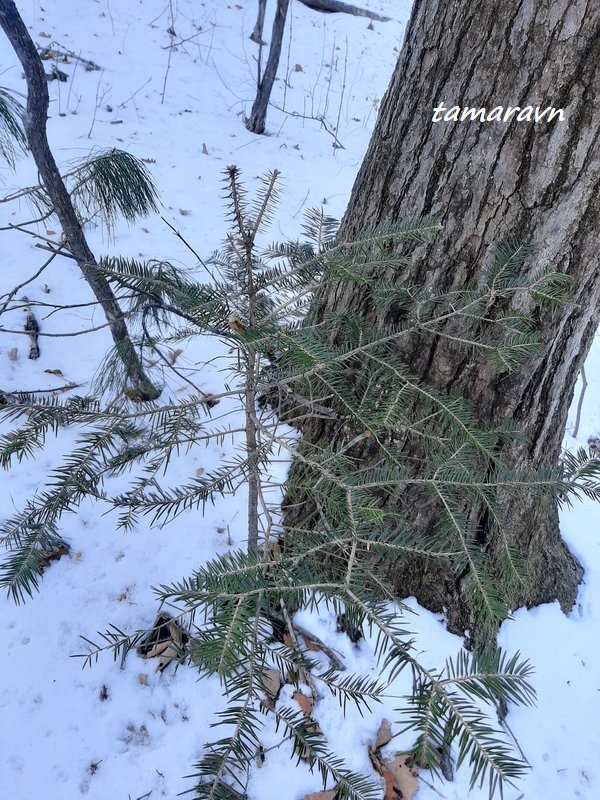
column 177, row 100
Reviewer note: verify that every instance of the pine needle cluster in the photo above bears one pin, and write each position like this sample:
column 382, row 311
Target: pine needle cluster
column 282, row 369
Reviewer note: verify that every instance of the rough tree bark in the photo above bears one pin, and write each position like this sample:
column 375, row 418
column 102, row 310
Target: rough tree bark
column 484, row 181
column 34, row 122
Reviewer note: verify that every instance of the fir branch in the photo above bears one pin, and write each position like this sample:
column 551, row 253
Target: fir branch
column 13, row 141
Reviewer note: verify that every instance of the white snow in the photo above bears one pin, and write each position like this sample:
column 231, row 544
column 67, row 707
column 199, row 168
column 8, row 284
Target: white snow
column 181, row 109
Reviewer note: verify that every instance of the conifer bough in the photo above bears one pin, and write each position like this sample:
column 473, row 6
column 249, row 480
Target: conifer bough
column 359, row 387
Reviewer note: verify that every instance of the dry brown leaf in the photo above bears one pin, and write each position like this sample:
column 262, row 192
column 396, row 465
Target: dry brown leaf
column 142, row 679
column 384, row 735
column 298, row 68
column 58, row 372
column 171, row 652
column 378, row 766
column 305, row 703
column 310, row 643
column 328, row 794
column 13, row 353
column 156, row 650
column 54, row 553
column 166, row 641
column 287, row 639
column 271, row 681
column 401, row 777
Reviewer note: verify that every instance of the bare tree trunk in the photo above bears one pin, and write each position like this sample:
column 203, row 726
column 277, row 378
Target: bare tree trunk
column 256, row 121
column 485, row 181
column 257, row 33
column 35, row 128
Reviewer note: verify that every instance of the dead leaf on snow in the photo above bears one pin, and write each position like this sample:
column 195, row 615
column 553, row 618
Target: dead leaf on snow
column 271, row 681
column 53, row 553
column 305, row 703
column 310, row 643
column 166, row 641
column 406, row 775
column 13, row 353
column 328, row 794
column 384, row 735
column 400, row 775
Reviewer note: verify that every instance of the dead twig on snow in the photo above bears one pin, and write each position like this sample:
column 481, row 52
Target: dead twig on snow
column 32, row 328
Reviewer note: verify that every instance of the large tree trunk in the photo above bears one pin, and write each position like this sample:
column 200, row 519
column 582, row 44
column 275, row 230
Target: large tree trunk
column 485, row 181
column 34, row 122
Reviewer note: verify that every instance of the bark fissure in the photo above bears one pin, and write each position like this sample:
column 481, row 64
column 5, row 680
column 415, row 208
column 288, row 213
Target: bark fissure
column 485, row 181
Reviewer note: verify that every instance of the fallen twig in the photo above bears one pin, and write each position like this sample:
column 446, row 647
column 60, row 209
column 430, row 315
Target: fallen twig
column 28, row 392
column 290, row 627
column 54, row 50
column 336, row 661
column 33, row 329
column 335, row 6
column 319, row 118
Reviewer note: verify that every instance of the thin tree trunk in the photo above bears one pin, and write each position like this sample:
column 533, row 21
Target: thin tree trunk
column 485, row 181
column 35, row 128
column 257, row 33
column 256, row 121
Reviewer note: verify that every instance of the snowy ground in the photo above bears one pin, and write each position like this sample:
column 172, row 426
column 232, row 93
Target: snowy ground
column 131, row 732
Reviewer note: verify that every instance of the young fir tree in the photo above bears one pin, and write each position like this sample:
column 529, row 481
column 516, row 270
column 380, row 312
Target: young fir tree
column 237, row 607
